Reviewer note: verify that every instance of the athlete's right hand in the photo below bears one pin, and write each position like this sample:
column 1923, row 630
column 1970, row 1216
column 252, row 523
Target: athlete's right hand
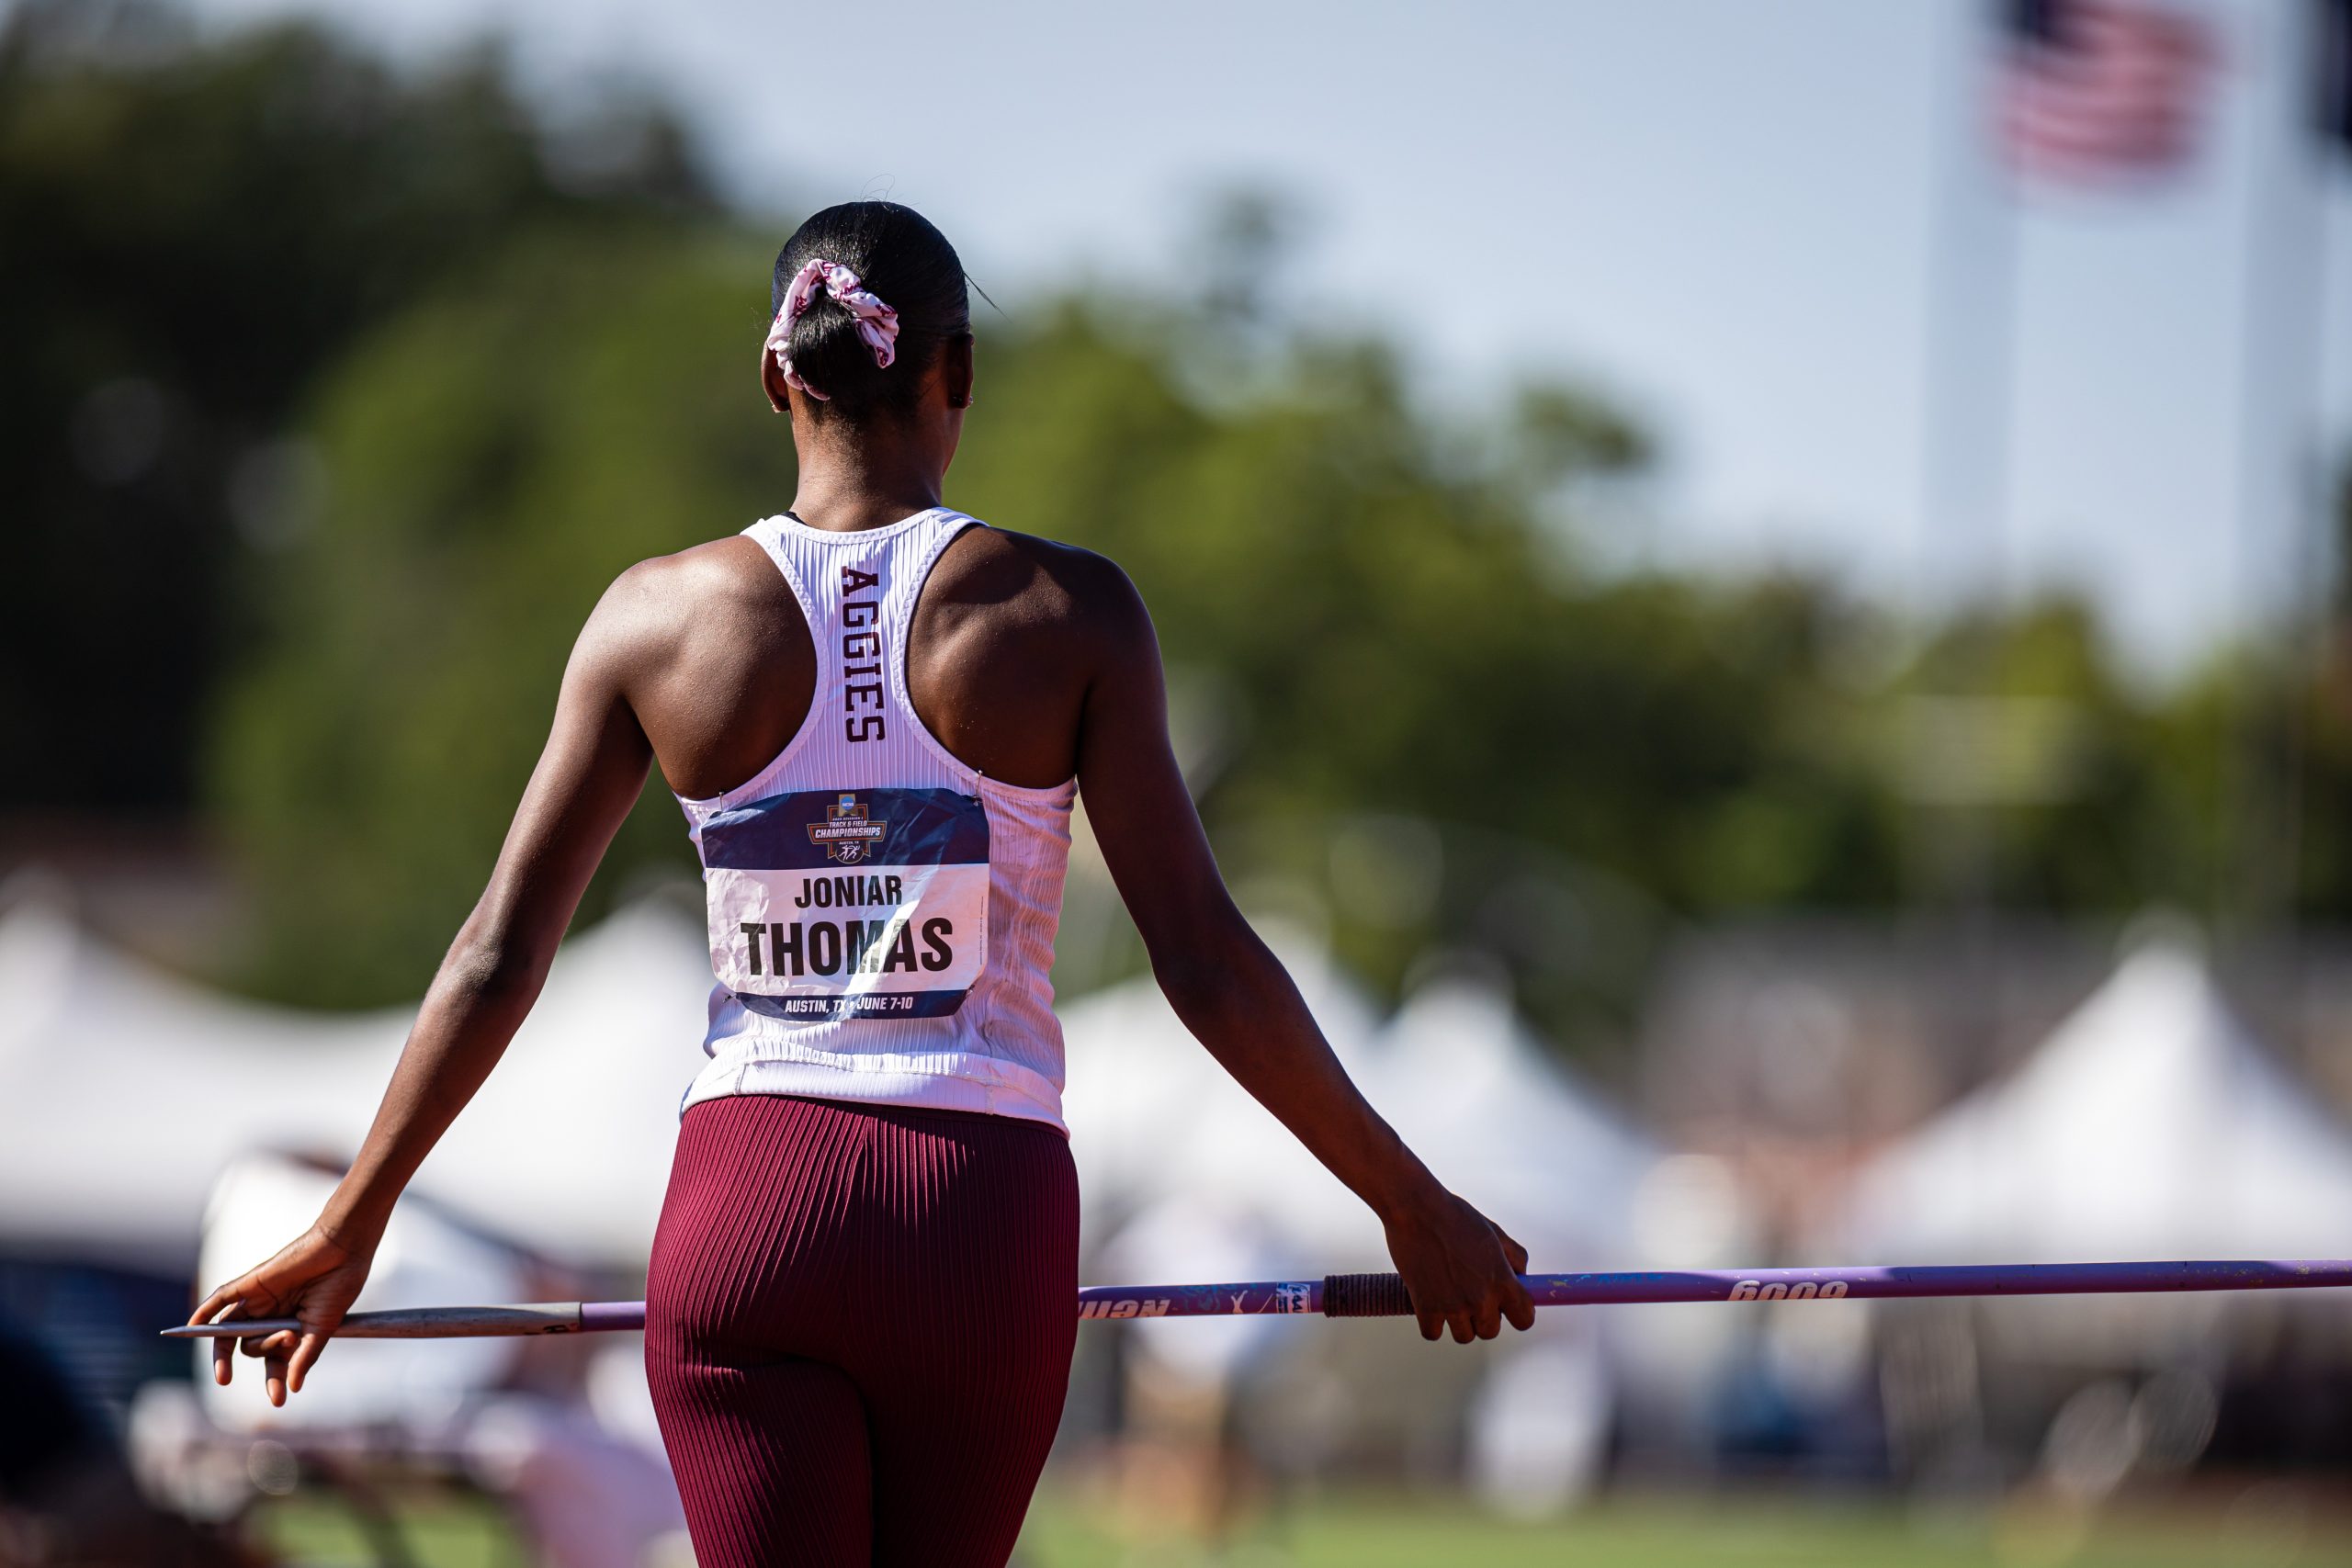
column 313, row 1278
column 1460, row 1269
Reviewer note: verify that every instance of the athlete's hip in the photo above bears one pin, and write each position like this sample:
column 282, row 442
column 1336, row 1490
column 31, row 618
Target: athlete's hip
column 801, row 1226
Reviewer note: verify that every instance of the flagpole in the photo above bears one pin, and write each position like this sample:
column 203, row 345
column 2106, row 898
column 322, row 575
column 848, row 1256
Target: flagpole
column 2327, row 150
column 2321, row 133
column 1972, row 294
column 1969, row 407
column 2282, row 490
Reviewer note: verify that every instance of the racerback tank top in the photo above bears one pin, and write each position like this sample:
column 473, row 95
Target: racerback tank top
column 882, row 917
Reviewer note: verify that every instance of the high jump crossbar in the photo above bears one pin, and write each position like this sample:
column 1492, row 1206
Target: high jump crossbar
column 1383, row 1295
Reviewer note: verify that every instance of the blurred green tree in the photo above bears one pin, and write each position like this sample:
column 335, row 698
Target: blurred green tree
column 492, row 458
column 360, row 387
column 1386, row 630
column 193, row 229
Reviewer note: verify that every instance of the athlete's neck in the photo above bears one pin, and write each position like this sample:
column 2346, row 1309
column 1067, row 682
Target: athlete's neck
column 869, row 479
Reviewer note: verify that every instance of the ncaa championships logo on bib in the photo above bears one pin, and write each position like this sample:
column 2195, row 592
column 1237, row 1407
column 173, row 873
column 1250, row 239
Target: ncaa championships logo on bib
column 845, row 835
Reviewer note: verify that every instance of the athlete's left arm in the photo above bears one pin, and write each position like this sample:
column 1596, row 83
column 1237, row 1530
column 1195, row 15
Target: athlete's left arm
column 588, row 777
column 1459, row 1268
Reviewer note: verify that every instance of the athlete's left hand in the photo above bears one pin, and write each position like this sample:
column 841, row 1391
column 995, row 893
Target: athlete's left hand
column 314, row 1277
column 1461, row 1268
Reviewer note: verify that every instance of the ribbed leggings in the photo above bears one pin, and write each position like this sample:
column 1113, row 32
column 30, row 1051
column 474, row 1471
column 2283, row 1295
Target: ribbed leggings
column 858, row 1329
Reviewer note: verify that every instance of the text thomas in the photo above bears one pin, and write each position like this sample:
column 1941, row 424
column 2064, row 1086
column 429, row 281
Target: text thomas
column 885, row 946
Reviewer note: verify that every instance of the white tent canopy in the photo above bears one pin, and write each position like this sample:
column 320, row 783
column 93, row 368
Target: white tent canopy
column 1154, row 1120
column 126, row 1091
column 1500, row 1122
column 2149, row 1125
column 1185, row 1177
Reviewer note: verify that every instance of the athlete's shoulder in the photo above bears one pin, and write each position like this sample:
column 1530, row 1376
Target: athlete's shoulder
column 717, row 566
column 696, row 582
column 659, row 604
column 1077, row 589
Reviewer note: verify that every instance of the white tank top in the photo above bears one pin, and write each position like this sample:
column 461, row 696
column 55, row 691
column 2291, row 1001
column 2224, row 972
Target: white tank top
column 882, row 917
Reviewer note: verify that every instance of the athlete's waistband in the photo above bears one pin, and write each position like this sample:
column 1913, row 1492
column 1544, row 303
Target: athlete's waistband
column 939, row 1081
column 938, row 1118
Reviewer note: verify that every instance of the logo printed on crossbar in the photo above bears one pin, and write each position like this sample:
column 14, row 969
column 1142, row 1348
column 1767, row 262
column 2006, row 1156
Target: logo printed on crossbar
column 1804, row 1290
column 1131, row 1307
column 845, row 835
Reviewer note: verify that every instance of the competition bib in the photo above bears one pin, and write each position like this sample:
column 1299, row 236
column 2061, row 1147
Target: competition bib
column 867, row 904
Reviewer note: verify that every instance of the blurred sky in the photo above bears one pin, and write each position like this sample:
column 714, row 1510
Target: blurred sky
column 1726, row 213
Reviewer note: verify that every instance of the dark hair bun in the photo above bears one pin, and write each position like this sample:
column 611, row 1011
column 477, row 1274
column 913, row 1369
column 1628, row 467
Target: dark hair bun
column 902, row 261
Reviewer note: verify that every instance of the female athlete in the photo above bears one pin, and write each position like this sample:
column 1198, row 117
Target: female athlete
column 876, row 713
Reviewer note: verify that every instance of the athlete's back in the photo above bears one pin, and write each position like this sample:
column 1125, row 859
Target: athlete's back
column 882, row 908
column 1009, row 631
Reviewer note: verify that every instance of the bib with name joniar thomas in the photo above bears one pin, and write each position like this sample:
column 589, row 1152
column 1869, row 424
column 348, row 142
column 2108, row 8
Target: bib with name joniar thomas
column 834, row 905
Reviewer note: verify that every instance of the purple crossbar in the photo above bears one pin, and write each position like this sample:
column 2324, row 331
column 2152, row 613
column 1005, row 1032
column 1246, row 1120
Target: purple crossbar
column 1939, row 1279
column 1383, row 1295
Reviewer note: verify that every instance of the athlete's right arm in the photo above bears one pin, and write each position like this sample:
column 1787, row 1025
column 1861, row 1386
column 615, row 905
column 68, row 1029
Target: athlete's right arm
column 1234, row 994
column 588, row 777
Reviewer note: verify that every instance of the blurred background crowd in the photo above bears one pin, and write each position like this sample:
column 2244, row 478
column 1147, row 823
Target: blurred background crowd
column 1755, row 598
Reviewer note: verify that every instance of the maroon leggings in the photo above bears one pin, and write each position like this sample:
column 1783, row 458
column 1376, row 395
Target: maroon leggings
column 858, row 1329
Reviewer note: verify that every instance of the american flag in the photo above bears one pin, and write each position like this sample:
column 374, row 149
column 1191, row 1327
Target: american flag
column 2095, row 92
